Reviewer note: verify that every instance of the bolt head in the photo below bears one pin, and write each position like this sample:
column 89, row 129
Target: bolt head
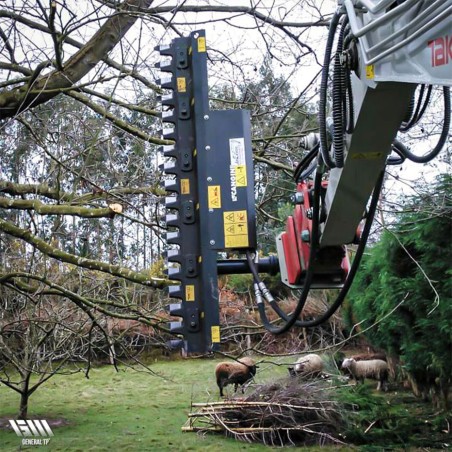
column 207, row 148
column 206, row 117
column 305, row 235
column 298, row 197
column 212, row 242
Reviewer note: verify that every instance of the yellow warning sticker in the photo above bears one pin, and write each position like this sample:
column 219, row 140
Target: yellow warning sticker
column 190, row 293
column 215, row 331
column 185, row 186
column 201, row 44
column 366, row 155
column 235, row 216
column 181, row 84
column 236, row 241
column 370, row 71
column 214, row 196
column 240, row 176
column 235, row 229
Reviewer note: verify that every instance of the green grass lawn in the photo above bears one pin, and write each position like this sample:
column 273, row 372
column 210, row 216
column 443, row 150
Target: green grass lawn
column 128, row 410
column 137, row 411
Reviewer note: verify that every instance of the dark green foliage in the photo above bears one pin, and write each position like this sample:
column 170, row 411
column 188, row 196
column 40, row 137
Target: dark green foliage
column 389, row 421
column 240, row 283
column 412, row 263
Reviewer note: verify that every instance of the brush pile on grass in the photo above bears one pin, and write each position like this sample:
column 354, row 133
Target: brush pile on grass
column 287, row 412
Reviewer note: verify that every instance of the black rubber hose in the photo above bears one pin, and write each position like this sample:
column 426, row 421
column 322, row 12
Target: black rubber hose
column 308, row 171
column 300, row 170
column 253, row 268
column 396, row 147
column 338, row 116
column 339, row 88
column 418, row 114
column 442, row 139
column 350, row 109
column 323, row 91
column 356, row 261
column 421, row 106
column 410, row 112
column 261, row 307
column 343, row 293
column 293, row 319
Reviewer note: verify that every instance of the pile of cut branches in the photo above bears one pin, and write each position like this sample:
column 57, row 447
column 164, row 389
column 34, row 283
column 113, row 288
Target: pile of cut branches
column 288, row 412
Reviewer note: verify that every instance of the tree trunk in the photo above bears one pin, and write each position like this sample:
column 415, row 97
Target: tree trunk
column 24, row 396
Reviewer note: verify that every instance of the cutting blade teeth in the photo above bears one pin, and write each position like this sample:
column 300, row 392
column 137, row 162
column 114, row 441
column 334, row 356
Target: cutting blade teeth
column 172, row 220
column 174, row 291
column 171, row 202
column 166, row 149
column 166, row 83
column 168, row 116
column 167, row 99
column 169, row 133
column 170, row 151
column 173, row 273
column 171, row 253
column 170, row 167
column 174, row 308
column 176, row 327
column 173, row 238
column 172, row 186
column 165, row 65
column 164, row 49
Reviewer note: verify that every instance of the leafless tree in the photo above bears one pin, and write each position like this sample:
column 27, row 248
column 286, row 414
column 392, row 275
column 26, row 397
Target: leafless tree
column 79, row 180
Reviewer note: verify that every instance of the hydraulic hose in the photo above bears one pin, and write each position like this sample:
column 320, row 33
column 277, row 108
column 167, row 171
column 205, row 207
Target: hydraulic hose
column 323, row 91
column 442, row 139
column 293, row 319
column 410, row 112
column 261, row 291
column 356, row 261
column 306, row 167
column 398, row 148
column 339, row 105
column 421, row 106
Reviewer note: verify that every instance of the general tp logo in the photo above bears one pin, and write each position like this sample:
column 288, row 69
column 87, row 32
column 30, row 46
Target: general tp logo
column 39, row 429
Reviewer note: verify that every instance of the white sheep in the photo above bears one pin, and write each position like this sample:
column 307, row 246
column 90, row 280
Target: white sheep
column 237, row 373
column 376, row 369
column 308, row 366
column 368, row 356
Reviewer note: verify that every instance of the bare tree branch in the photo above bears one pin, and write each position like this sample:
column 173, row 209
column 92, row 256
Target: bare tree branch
column 82, row 62
column 49, row 250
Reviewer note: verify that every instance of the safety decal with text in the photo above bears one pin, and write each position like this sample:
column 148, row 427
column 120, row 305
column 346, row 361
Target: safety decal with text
column 214, row 196
column 181, row 84
column 235, row 229
column 237, row 168
column 215, row 332
column 185, row 186
column 240, row 176
column 201, row 44
column 190, row 293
